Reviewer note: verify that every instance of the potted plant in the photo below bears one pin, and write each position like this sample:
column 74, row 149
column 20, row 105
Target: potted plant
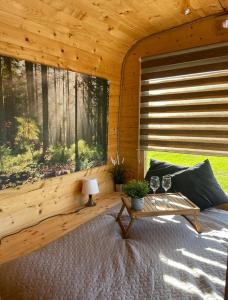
column 118, row 172
column 137, row 190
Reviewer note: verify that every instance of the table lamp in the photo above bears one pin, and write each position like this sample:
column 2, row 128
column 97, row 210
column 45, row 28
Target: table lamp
column 90, row 187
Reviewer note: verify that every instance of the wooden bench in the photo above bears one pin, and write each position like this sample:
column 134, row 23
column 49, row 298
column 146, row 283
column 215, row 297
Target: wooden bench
column 40, row 235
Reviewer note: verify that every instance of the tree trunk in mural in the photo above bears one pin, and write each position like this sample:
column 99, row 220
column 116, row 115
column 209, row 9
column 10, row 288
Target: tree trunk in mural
column 77, row 160
column 9, row 103
column 36, row 98
column 56, row 107
column 99, row 112
column 104, row 115
column 64, row 115
column 30, row 88
column 59, row 110
column 88, row 101
column 84, row 124
column 68, row 111
column 45, row 109
column 1, row 107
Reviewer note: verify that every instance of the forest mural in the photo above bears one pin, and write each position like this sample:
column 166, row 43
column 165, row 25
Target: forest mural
column 52, row 121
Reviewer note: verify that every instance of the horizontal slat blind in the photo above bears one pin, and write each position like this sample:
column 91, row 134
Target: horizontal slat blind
column 184, row 101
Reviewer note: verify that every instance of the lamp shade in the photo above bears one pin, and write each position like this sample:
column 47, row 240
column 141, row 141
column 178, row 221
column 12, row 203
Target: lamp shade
column 90, row 186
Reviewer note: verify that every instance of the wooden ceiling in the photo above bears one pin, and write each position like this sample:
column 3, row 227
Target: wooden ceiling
column 104, row 28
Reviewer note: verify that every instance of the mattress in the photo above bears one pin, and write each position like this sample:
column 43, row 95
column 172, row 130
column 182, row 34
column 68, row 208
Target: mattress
column 164, row 258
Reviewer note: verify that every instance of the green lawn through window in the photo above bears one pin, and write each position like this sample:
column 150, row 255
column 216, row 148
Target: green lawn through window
column 219, row 164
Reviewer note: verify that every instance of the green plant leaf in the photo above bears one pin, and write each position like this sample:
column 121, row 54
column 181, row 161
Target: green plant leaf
column 136, row 189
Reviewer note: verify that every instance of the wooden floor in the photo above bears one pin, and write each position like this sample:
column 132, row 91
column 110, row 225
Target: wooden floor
column 49, row 230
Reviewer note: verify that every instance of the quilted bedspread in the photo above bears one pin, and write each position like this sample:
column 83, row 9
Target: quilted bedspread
column 164, row 258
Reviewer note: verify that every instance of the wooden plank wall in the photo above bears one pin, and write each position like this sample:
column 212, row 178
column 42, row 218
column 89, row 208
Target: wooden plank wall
column 198, row 33
column 31, row 203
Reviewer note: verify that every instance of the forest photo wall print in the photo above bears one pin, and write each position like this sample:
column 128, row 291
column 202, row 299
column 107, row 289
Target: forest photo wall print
column 52, row 121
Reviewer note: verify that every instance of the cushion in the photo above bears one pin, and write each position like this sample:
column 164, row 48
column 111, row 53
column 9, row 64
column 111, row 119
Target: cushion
column 161, row 168
column 199, row 184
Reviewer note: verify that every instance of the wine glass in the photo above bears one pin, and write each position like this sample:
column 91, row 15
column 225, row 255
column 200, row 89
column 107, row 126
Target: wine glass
column 166, row 184
column 154, row 183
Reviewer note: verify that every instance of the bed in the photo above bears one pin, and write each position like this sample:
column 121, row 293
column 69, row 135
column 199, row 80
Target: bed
column 163, row 259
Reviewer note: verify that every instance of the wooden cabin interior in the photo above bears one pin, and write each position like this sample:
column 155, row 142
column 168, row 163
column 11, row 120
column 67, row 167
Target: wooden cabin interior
column 139, row 76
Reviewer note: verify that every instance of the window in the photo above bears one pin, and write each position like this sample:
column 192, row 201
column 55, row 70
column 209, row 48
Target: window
column 184, row 101
column 219, row 164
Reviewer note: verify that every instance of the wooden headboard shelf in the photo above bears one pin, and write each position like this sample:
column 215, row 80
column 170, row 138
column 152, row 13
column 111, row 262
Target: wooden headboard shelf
column 40, row 235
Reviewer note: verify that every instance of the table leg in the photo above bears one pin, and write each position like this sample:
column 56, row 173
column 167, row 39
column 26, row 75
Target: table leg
column 120, row 213
column 194, row 222
column 128, row 228
column 125, row 231
column 197, row 224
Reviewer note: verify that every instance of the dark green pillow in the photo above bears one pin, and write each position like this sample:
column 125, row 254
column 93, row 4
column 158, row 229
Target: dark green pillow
column 199, row 184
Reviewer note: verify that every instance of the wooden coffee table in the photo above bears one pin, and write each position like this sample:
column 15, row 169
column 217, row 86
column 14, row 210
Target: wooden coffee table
column 160, row 205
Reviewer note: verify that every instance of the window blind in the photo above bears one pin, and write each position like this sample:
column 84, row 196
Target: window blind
column 184, row 101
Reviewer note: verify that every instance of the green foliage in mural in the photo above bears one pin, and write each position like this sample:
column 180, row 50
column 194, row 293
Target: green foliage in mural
column 28, row 135
column 52, row 122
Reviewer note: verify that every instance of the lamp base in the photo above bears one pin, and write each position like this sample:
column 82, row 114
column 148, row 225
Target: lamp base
column 90, row 202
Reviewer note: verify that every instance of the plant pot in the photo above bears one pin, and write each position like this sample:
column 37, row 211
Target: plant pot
column 137, row 203
column 119, row 188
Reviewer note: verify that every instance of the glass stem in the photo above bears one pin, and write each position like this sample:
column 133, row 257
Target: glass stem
column 166, row 199
column 154, row 197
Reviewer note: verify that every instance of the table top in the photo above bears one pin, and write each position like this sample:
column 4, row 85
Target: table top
column 163, row 204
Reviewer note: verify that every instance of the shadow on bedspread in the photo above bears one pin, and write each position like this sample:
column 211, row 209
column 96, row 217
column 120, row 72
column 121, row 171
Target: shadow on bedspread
column 164, row 258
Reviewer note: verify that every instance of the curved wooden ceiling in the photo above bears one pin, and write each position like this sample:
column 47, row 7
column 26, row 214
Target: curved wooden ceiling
column 102, row 29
